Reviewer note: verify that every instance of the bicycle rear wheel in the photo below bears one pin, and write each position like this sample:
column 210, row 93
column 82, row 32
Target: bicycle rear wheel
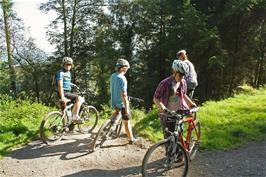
column 117, row 127
column 157, row 163
column 52, row 127
column 102, row 135
column 194, row 140
column 89, row 115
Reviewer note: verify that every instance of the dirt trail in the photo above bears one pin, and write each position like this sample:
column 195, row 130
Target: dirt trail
column 72, row 158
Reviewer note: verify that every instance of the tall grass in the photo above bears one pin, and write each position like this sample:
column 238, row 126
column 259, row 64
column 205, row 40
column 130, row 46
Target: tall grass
column 19, row 122
column 234, row 121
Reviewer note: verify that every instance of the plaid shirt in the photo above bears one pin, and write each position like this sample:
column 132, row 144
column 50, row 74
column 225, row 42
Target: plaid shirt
column 163, row 90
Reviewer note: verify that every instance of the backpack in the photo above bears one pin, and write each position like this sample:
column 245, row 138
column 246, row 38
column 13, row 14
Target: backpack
column 191, row 77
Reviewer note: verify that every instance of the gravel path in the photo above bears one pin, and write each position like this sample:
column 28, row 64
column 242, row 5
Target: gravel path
column 72, row 158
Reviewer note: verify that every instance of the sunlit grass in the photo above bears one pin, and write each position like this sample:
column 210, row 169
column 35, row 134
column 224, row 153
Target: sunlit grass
column 19, row 122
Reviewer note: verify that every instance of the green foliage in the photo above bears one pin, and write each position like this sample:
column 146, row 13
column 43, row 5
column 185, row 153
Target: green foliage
column 105, row 113
column 225, row 42
column 4, row 77
column 150, row 127
column 19, row 121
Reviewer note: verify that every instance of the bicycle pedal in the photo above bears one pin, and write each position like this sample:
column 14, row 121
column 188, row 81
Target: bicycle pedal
column 65, row 129
column 71, row 127
column 198, row 143
column 54, row 128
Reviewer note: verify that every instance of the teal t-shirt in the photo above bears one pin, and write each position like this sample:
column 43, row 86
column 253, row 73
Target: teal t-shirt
column 118, row 84
column 65, row 76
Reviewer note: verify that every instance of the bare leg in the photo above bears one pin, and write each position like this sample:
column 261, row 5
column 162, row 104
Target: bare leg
column 128, row 129
column 77, row 105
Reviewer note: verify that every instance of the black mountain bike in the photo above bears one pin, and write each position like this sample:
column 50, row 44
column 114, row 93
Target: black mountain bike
column 111, row 129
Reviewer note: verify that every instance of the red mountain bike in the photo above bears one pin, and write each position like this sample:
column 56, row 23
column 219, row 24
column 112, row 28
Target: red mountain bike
column 170, row 157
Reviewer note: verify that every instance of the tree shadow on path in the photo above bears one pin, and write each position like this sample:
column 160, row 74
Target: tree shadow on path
column 74, row 145
column 125, row 172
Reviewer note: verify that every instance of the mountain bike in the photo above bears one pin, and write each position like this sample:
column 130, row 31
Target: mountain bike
column 170, row 157
column 111, row 129
column 56, row 123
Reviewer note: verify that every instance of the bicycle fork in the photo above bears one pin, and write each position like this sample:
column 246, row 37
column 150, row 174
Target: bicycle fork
column 171, row 150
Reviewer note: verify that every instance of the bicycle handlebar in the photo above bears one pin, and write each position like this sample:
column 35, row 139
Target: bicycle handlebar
column 134, row 98
column 181, row 112
column 83, row 92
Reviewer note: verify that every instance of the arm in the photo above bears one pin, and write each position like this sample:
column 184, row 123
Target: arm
column 160, row 93
column 189, row 102
column 60, row 89
column 159, row 104
column 125, row 101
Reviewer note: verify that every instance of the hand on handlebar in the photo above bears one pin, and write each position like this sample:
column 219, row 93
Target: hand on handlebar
column 168, row 111
column 134, row 98
column 74, row 85
column 65, row 100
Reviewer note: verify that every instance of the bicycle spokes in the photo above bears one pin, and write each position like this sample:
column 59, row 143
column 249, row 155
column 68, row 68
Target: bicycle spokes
column 89, row 115
column 159, row 162
column 52, row 127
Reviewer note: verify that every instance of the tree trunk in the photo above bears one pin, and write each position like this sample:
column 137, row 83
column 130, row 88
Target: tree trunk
column 256, row 72
column 261, row 61
column 5, row 5
column 73, row 27
column 37, row 91
column 65, row 27
column 234, row 58
column 103, row 85
column 161, row 42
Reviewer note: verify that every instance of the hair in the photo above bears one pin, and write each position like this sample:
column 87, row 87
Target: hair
column 180, row 52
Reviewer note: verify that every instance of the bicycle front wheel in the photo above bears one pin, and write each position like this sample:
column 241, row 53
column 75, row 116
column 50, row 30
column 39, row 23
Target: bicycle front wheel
column 194, row 140
column 52, row 127
column 156, row 162
column 90, row 116
column 102, row 135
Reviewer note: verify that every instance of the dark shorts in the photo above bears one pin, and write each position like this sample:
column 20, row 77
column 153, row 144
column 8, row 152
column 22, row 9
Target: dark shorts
column 169, row 123
column 73, row 97
column 125, row 117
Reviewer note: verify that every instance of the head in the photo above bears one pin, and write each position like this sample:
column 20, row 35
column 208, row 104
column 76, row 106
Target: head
column 122, row 65
column 67, row 63
column 181, row 55
column 179, row 69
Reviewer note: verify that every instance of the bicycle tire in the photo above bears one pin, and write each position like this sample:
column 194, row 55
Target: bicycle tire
column 154, row 161
column 54, row 132
column 194, row 140
column 118, row 128
column 90, row 116
column 102, row 135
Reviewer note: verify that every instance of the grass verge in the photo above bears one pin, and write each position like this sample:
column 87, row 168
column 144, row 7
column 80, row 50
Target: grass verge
column 225, row 124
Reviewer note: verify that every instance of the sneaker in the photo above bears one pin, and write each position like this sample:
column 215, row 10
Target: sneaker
column 133, row 141
column 66, row 129
column 71, row 126
column 77, row 120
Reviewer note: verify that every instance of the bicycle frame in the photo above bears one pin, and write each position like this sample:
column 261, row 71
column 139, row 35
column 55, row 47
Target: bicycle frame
column 191, row 125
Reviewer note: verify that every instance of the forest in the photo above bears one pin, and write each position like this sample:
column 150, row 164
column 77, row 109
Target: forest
column 224, row 39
